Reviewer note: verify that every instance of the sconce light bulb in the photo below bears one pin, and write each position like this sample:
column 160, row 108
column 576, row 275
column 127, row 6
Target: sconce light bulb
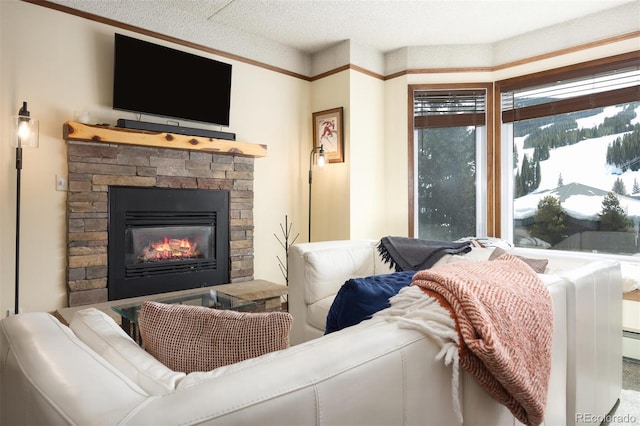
column 23, row 129
column 321, row 157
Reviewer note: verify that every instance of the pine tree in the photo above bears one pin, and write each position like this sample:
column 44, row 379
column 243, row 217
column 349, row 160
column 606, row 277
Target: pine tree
column 560, row 181
column 618, row 187
column 549, row 223
column 530, row 175
column 446, row 183
column 636, row 187
column 517, row 186
column 525, row 175
column 613, row 217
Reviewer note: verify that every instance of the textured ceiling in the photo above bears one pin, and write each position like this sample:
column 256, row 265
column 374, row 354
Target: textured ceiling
column 289, row 34
column 385, row 25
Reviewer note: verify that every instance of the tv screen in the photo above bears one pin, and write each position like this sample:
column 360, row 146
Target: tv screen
column 157, row 80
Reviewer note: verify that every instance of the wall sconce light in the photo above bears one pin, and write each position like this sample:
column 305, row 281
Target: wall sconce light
column 320, row 161
column 26, row 131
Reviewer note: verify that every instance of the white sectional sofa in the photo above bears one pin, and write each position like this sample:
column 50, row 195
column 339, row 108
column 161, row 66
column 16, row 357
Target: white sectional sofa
column 587, row 296
column 369, row 374
column 373, row 373
column 93, row 374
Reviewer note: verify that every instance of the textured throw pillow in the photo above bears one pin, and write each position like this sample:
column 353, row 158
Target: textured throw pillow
column 538, row 265
column 359, row 298
column 194, row 338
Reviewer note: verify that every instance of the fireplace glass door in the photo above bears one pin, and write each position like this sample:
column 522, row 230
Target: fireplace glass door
column 162, row 246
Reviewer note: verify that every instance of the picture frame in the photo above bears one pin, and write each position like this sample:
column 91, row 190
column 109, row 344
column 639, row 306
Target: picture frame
column 328, row 133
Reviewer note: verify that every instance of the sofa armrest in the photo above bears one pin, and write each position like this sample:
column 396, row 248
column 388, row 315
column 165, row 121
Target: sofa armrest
column 49, row 376
column 594, row 305
column 317, row 271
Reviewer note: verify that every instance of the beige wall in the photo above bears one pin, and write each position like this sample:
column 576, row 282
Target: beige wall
column 396, row 152
column 330, row 192
column 346, row 197
column 59, row 64
column 367, row 157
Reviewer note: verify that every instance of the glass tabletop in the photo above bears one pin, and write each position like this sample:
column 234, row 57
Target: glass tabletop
column 209, row 298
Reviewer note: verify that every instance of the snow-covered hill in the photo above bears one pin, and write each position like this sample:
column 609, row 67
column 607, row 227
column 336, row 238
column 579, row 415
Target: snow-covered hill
column 583, row 163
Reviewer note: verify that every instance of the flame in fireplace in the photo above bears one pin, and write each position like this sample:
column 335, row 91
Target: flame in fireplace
column 169, row 249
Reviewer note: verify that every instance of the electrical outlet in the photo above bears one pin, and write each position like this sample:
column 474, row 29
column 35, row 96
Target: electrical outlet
column 61, row 183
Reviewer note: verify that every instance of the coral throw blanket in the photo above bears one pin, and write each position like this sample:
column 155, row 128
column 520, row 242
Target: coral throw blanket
column 504, row 317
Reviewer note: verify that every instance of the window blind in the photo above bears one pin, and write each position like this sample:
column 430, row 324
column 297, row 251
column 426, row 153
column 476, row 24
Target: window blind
column 449, row 108
column 599, row 89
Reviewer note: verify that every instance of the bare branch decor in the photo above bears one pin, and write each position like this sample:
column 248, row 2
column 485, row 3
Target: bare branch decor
column 284, row 242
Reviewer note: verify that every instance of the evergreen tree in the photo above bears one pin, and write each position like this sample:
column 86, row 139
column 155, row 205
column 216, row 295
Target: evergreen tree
column 618, row 187
column 549, row 220
column 530, row 175
column 541, row 153
column 446, row 183
column 560, row 181
column 624, row 152
column 636, row 187
column 525, row 175
column 613, row 217
column 517, row 187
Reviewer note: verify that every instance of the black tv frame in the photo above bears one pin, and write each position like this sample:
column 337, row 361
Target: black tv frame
column 152, row 79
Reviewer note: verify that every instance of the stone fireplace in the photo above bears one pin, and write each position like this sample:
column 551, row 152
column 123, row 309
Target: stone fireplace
column 94, row 167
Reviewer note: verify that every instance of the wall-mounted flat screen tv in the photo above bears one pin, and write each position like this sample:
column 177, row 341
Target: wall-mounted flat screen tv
column 157, row 80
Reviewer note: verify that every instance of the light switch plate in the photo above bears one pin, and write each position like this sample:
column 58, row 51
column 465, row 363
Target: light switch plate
column 61, row 183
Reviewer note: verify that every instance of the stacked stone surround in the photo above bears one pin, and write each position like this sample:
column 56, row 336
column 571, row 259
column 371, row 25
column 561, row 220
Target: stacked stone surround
column 94, row 166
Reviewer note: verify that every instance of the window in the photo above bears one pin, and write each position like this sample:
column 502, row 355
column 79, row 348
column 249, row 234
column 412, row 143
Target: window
column 571, row 158
column 448, row 162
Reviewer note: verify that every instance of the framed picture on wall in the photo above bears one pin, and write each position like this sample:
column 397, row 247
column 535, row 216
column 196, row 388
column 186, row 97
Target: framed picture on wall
column 327, row 132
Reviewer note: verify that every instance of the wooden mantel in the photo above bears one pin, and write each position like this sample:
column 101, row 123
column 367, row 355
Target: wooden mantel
column 74, row 131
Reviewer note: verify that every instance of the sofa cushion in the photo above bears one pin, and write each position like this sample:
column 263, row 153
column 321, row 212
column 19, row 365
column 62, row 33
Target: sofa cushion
column 477, row 254
column 325, row 270
column 538, row 265
column 359, row 298
column 317, row 312
column 630, row 276
column 194, row 338
column 101, row 333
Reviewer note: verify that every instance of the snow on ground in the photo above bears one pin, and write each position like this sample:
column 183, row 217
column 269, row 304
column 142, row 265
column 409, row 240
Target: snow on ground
column 584, row 163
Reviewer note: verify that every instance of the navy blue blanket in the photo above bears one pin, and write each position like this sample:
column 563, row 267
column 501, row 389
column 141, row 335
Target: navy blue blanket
column 359, row 298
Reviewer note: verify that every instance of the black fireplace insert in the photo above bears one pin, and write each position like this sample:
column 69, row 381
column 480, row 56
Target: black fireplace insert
column 165, row 239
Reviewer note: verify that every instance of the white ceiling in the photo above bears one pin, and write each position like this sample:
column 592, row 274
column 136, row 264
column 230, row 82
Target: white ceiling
column 385, row 25
column 289, row 34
